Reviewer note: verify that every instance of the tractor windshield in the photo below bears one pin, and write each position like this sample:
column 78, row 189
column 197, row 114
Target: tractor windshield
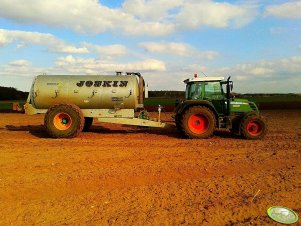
column 193, row 91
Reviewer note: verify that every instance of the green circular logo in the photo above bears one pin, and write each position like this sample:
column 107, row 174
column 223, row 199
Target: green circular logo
column 282, row 214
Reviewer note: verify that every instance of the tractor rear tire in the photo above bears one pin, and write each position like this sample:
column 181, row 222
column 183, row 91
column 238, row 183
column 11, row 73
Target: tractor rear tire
column 198, row 122
column 64, row 121
column 252, row 127
column 178, row 124
column 88, row 123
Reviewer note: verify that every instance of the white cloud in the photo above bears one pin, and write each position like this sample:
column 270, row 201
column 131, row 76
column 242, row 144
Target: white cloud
column 261, row 71
column 147, row 28
column 20, row 63
column 135, row 17
column 25, row 38
column 84, row 16
column 196, row 69
column 284, row 68
column 57, row 13
column 266, row 76
column 288, row 10
column 208, row 55
column 108, row 51
column 176, row 48
column 3, row 39
column 63, row 48
column 28, row 37
column 150, row 9
column 292, row 64
column 94, row 66
column 195, row 14
column 20, row 68
column 77, row 65
column 172, row 48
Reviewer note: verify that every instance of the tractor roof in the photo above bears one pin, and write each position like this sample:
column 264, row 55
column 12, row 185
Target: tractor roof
column 204, row 79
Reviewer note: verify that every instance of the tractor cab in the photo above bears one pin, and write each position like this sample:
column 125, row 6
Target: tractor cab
column 209, row 89
column 204, row 88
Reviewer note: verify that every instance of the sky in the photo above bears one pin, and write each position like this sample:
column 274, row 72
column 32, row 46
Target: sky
column 256, row 42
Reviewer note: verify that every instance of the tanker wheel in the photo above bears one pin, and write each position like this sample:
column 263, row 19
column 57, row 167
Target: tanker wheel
column 253, row 127
column 88, row 123
column 64, row 121
column 198, row 122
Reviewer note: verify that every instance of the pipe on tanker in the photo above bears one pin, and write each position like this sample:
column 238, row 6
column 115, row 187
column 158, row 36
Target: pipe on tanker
column 141, row 90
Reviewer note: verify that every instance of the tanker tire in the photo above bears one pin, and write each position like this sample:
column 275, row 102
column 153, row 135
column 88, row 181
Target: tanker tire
column 74, row 124
column 252, row 127
column 88, row 124
column 198, row 122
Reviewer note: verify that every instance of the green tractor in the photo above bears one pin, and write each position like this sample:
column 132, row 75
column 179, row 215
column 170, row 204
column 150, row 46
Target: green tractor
column 207, row 107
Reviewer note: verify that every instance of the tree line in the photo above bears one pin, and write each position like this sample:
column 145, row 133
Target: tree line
column 10, row 93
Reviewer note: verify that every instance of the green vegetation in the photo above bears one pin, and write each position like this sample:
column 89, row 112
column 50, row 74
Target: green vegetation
column 167, row 94
column 161, row 101
column 12, row 101
column 264, row 101
column 275, row 99
column 9, row 105
column 6, row 105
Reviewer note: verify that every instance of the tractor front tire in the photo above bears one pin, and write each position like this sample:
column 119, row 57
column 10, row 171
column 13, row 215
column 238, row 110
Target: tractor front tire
column 198, row 122
column 253, row 127
column 88, row 123
column 64, row 121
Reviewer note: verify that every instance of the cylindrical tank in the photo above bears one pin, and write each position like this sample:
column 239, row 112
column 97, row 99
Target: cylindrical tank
column 87, row 92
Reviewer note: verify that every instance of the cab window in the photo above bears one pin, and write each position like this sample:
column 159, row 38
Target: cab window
column 194, row 91
column 213, row 90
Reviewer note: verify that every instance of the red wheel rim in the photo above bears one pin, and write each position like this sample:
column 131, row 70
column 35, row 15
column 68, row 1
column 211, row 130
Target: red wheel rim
column 62, row 121
column 254, row 128
column 198, row 124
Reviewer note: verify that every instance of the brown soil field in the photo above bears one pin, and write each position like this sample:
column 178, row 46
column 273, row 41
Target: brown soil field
column 121, row 175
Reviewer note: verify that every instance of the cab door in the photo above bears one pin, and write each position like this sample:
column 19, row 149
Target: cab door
column 213, row 93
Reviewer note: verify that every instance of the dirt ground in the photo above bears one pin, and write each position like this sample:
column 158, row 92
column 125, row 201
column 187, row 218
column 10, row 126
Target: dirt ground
column 118, row 175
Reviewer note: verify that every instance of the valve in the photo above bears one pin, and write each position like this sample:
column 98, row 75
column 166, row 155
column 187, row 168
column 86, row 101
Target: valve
column 159, row 112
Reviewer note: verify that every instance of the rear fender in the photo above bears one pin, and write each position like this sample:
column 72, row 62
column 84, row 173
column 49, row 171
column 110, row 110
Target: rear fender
column 181, row 108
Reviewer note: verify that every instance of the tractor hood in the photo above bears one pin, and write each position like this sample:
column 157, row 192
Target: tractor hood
column 239, row 101
column 242, row 105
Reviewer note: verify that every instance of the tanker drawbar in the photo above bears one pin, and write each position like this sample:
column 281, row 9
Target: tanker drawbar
column 70, row 102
